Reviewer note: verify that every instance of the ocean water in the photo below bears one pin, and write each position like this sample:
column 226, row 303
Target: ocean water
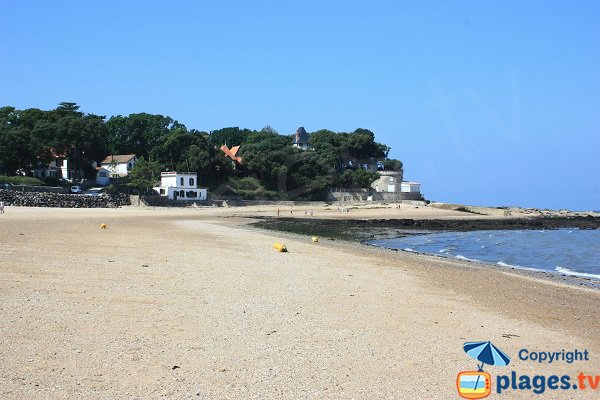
column 564, row 251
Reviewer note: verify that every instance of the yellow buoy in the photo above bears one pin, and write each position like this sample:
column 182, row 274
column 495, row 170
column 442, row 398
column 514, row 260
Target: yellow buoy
column 103, row 226
column 315, row 239
column 280, row 247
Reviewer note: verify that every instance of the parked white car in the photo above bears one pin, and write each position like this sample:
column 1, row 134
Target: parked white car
column 76, row 189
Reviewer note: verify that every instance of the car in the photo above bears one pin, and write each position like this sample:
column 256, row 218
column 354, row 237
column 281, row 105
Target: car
column 76, row 189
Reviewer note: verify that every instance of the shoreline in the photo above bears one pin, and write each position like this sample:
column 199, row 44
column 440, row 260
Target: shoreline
column 377, row 229
column 558, row 277
column 537, row 273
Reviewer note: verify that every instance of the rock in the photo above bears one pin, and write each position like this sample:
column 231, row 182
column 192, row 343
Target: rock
column 43, row 199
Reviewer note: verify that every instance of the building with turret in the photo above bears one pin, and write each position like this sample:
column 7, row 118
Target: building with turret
column 301, row 139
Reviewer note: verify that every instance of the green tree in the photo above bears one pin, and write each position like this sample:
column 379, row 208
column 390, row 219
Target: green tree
column 143, row 176
column 233, row 136
column 139, row 133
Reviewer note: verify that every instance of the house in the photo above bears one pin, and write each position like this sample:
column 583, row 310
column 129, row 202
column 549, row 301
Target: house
column 119, row 165
column 102, row 176
column 232, row 153
column 301, row 139
column 181, row 186
column 61, row 168
column 388, row 182
column 410, row 187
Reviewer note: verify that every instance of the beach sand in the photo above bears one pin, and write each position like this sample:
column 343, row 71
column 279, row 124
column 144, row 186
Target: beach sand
column 192, row 303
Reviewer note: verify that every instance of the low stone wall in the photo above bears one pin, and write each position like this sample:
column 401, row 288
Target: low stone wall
column 39, row 199
column 396, row 197
column 348, row 196
column 154, row 201
column 282, row 203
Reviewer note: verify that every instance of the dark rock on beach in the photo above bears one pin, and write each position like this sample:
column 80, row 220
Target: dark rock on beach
column 366, row 229
column 42, row 199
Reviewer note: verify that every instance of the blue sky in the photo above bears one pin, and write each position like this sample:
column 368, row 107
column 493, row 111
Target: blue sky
column 491, row 103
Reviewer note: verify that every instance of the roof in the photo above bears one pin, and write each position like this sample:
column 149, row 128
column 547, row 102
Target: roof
column 175, row 173
column 117, row 158
column 301, row 136
column 232, row 153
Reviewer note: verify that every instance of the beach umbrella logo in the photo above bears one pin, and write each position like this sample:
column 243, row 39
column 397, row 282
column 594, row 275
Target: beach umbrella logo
column 478, row 384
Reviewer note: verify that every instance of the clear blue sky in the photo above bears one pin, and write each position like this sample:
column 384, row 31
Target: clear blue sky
column 486, row 102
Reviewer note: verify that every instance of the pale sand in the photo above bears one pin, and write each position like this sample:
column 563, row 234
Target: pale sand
column 101, row 314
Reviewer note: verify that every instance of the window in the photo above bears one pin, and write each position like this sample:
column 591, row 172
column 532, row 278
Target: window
column 191, row 181
column 192, row 194
column 129, row 166
column 181, row 183
column 162, row 192
column 181, row 193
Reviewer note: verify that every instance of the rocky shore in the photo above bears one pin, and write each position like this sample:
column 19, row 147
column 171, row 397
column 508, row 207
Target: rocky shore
column 40, row 199
column 367, row 229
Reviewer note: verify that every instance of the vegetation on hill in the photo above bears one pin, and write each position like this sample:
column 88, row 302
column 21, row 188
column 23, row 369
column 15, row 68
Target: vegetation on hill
column 271, row 168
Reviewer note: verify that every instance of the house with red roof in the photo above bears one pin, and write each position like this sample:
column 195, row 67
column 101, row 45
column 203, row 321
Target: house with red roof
column 232, row 154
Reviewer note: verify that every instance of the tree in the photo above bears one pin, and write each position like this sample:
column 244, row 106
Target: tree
column 139, row 133
column 233, row 136
column 392, row 165
column 143, row 176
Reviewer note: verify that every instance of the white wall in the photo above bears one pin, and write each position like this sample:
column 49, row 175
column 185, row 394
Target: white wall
column 103, row 177
column 176, row 181
column 120, row 169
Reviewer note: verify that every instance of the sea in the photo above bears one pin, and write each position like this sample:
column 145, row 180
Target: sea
column 573, row 252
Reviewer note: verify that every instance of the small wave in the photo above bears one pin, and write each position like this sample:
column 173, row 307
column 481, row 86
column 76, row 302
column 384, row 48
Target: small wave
column 567, row 271
column 409, row 249
column 503, row 264
column 461, row 257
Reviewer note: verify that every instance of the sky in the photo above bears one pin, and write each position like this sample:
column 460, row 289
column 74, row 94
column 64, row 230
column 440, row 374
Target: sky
column 486, row 102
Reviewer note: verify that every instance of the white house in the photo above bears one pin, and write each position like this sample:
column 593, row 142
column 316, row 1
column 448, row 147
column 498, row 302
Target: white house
column 119, row 165
column 60, row 168
column 181, row 186
column 388, row 182
column 410, row 187
column 102, row 176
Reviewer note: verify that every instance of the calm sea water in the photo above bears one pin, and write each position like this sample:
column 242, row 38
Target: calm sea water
column 566, row 251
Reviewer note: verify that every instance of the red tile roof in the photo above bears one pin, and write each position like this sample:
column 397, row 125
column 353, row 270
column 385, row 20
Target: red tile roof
column 232, row 153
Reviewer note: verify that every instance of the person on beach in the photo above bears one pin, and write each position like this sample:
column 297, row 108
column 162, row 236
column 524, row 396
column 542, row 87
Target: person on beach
column 278, row 211
column 1, row 207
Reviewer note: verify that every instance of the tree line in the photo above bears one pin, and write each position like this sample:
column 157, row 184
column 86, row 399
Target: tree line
column 271, row 166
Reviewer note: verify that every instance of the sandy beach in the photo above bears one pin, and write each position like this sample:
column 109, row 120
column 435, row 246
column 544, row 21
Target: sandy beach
column 193, row 303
